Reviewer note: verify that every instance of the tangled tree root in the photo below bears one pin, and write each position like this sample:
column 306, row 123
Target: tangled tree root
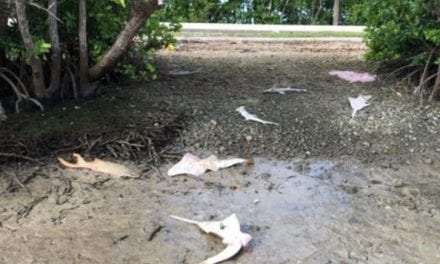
column 145, row 142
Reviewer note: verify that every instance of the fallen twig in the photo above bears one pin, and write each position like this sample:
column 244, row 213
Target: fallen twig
column 119, row 239
column 25, row 210
column 15, row 178
column 155, row 231
column 14, row 155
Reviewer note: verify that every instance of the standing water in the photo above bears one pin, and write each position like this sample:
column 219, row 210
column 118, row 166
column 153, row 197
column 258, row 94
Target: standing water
column 299, row 211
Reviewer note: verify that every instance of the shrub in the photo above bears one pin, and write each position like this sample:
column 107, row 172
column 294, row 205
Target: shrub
column 406, row 31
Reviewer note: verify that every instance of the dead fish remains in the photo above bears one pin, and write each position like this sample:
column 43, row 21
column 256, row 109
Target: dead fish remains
column 252, row 117
column 114, row 169
column 183, row 72
column 353, row 77
column 285, row 90
column 358, row 103
column 193, row 165
column 227, row 229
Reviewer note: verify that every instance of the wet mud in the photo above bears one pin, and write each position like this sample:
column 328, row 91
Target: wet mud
column 323, row 188
column 299, row 211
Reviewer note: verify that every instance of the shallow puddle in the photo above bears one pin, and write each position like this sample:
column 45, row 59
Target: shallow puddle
column 321, row 212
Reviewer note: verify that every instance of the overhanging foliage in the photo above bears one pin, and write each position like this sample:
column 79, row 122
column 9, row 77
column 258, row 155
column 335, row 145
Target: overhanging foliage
column 409, row 31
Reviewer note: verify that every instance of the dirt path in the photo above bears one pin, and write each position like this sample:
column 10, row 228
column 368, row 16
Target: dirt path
column 324, row 188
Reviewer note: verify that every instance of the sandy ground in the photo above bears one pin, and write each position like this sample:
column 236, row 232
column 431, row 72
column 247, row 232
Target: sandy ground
column 324, row 188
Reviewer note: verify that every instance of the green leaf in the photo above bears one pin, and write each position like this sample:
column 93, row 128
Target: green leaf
column 150, row 67
column 120, row 2
column 41, row 47
column 433, row 35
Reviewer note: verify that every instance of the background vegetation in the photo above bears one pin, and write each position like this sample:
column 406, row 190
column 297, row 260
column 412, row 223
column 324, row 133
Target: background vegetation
column 260, row 12
column 406, row 32
column 54, row 50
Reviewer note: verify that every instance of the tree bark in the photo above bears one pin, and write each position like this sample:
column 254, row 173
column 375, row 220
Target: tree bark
column 285, row 7
column 142, row 11
column 336, row 13
column 3, row 27
column 34, row 61
column 3, row 116
column 83, row 50
column 318, row 11
column 269, row 9
column 55, row 73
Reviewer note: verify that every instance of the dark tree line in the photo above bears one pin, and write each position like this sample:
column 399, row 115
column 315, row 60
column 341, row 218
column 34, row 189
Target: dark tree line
column 264, row 11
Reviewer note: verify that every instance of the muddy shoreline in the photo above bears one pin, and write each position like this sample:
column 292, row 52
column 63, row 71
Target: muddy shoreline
column 324, row 188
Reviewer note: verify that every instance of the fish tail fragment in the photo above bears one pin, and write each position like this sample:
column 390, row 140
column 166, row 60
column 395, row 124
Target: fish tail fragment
column 66, row 163
column 80, row 162
column 79, row 159
column 353, row 113
column 250, row 162
column 184, row 219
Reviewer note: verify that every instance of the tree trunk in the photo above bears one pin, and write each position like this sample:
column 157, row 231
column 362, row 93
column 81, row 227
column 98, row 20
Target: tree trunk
column 3, row 116
column 34, row 61
column 336, row 13
column 285, row 7
column 318, row 11
column 3, row 27
column 132, row 9
column 269, row 9
column 142, row 12
column 83, row 50
column 55, row 73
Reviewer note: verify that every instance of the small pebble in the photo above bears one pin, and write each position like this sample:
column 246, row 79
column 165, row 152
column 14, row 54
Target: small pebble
column 428, row 161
